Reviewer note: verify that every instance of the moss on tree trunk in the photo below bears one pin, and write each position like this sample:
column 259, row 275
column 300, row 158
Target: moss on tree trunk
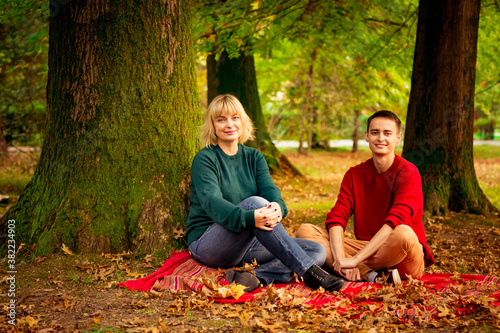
column 237, row 76
column 439, row 134
column 121, row 129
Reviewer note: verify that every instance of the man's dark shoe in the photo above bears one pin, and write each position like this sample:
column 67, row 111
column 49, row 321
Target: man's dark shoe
column 316, row 277
column 250, row 281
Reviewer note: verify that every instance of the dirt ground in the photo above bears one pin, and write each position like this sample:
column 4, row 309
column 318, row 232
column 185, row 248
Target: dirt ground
column 68, row 292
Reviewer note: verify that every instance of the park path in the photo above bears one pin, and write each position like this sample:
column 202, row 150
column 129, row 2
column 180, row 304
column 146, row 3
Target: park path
column 345, row 143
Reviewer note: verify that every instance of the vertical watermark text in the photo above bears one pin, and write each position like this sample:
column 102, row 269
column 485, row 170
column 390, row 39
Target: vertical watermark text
column 11, row 270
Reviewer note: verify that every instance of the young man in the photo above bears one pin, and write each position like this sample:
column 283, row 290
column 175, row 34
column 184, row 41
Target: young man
column 385, row 195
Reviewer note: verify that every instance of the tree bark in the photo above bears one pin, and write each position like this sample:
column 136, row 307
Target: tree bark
column 301, row 141
column 309, row 111
column 439, row 134
column 355, row 132
column 121, row 129
column 237, row 76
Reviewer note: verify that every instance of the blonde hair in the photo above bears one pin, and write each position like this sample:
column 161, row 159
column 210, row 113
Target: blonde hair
column 221, row 105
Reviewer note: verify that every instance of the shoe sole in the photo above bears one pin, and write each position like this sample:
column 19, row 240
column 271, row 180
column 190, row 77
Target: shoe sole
column 396, row 279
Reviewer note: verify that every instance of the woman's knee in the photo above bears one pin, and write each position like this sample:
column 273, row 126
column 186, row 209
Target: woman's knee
column 254, row 202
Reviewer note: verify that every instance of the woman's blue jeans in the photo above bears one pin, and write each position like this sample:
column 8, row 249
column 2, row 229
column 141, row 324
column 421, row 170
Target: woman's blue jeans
column 278, row 254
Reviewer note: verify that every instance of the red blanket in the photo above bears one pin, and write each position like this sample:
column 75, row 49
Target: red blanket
column 431, row 295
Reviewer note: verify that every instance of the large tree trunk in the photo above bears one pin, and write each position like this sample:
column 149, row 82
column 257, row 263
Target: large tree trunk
column 438, row 138
column 121, row 129
column 237, row 76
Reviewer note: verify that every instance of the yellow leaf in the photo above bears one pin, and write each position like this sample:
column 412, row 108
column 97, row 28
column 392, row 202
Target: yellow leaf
column 178, row 232
column 237, row 290
column 135, row 275
column 28, row 320
column 68, row 304
column 97, row 319
column 66, row 250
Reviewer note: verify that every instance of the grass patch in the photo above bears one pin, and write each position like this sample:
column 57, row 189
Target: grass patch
column 13, row 182
column 486, row 151
column 17, row 170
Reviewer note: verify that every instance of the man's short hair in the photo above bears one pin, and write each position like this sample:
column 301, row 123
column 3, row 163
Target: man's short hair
column 384, row 114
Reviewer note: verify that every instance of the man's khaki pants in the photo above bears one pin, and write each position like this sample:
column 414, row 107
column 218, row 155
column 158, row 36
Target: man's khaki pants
column 401, row 250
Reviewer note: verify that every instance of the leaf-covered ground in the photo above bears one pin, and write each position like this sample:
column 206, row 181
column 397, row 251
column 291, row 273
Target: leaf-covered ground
column 78, row 293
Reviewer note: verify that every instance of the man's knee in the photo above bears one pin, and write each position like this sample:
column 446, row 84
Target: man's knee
column 309, row 231
column 405, row 235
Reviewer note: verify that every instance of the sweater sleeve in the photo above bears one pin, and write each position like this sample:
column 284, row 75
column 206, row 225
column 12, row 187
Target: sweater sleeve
column 265, row 185
column 204, row 175
column 344, row 207
column 408, row 198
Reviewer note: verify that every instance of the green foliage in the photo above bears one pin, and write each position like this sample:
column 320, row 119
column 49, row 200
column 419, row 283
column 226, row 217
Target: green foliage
column 487, row 70
column 364, row 64
column 23, row 70
column 364, row 57
column 244, row 25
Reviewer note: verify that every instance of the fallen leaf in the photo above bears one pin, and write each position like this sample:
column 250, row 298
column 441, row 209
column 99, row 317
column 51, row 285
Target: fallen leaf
column 178, row 233
column 68, row 303
column 39, row 259
column 66, row 250
column 30, row 321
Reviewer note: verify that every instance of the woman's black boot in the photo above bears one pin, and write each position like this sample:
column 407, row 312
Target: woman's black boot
column 316, row 277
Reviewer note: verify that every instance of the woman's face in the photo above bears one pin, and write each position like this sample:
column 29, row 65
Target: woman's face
column 228, row 127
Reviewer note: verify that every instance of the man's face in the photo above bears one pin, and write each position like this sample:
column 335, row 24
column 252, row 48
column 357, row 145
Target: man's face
column 383, row 136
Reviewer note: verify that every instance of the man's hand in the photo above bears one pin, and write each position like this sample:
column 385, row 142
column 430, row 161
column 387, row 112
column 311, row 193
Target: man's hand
column 351, row 274
column 348, row 268
column 347, row 263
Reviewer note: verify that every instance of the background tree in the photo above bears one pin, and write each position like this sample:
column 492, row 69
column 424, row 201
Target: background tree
column 237, row 76
column 121, row 129
column 439, row 132
column 227, row 31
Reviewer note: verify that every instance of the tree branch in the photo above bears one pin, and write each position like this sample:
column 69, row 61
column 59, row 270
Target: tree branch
column 486, row 89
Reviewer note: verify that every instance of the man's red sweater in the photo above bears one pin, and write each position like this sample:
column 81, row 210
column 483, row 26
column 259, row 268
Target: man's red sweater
column 375, row 198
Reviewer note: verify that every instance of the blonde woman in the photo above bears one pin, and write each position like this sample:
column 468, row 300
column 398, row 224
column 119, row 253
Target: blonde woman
column 236, row 209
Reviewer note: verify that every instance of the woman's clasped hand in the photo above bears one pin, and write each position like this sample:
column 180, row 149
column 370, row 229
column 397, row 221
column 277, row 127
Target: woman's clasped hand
column 267, row 217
